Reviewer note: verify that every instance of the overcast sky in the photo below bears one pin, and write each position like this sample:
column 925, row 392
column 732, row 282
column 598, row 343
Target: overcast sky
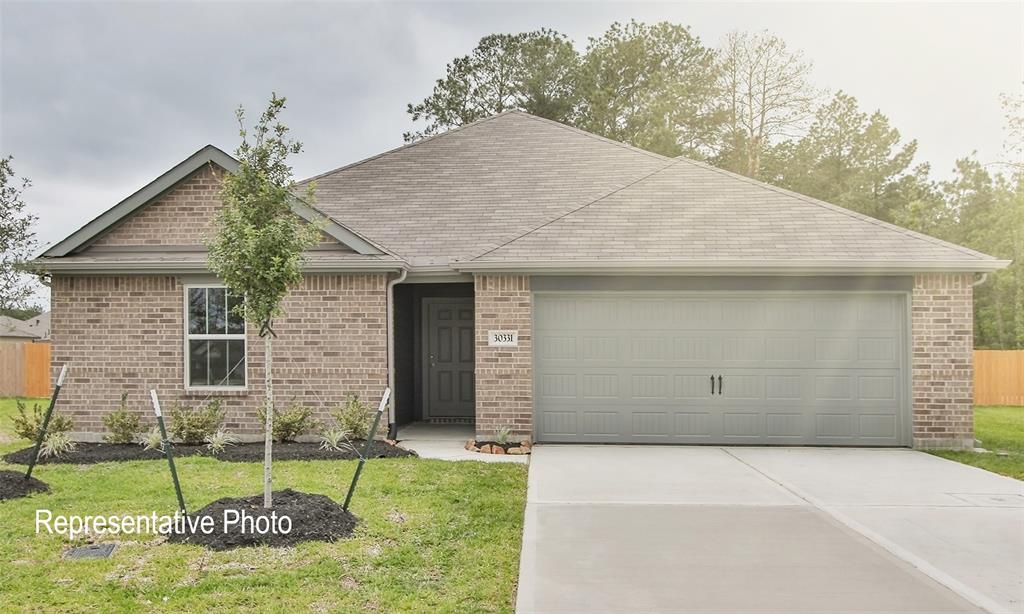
column 99, row 98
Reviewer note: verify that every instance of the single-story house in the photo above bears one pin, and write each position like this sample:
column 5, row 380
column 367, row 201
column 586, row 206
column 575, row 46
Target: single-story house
column 519, row 273
column 13, row 330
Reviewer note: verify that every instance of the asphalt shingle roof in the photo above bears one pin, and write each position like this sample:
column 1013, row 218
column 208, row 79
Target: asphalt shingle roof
column 515, row 187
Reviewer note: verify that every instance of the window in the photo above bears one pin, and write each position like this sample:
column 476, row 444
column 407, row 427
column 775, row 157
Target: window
column 215, row 339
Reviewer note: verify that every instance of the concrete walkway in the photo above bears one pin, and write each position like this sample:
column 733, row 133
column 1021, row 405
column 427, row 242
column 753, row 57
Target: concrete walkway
column 673, row 529
column 448, row 442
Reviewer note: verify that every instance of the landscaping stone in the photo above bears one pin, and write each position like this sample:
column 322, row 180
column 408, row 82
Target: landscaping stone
column 518, row 450
column 497, row 450
column 13, row 485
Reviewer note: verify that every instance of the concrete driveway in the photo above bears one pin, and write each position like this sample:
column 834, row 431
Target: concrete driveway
column 696, row 529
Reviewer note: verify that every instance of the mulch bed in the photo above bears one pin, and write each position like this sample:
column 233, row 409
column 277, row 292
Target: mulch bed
column 13, row 485
column 89, row 453
column 313, row 518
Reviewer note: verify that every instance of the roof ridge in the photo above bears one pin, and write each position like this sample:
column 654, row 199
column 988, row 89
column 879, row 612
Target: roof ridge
column 405, row 146
column 671, row 162
column 842, row 210
column 596, row 137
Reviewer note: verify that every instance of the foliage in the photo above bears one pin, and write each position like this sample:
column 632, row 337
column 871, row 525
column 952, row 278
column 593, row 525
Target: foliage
column 26, row 426
column 192, row 425
column 56, row 445
column 289, row 423
column 531, row 71
column 152, row 440
column 217, row 442
column 336, row 439
column 124, row 425
column 766, row 96
column 25, row 313
column 17, row 239
column 652, row 86
column 258, row 247
column 353, row 416
column 503, row 435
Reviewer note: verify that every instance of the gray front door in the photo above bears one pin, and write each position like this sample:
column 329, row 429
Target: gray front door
column 819, row 369
column 449, row 358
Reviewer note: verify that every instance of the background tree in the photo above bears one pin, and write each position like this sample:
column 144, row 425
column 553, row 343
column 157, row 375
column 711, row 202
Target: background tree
column 17, row 239
column 766, row 95
column 850, row 158
column 652, row 86
column 530, row 71
column 259, row 243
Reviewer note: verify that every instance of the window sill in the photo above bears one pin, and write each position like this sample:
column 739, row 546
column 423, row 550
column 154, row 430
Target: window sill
column 217, row 392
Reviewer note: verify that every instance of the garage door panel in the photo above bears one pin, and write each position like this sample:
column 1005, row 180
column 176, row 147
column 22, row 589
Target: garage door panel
column 795, row 370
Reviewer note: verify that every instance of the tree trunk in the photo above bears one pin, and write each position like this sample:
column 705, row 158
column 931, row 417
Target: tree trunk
column 268, row 437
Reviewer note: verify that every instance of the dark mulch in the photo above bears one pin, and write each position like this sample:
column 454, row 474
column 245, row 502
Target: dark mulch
column 13, row 485
column 89, row 453
column 313, row 518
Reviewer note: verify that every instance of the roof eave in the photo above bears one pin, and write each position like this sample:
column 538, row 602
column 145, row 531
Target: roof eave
column 764, row 267
column 171, row 267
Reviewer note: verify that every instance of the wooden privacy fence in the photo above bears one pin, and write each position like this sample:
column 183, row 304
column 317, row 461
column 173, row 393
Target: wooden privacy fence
column 999, row 377
column 24, row 369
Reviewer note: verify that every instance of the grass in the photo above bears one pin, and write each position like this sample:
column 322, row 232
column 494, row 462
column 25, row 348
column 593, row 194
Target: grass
column 1001, row 431
column 434, row 536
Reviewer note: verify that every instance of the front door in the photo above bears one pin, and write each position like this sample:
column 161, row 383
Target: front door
column 449, row 358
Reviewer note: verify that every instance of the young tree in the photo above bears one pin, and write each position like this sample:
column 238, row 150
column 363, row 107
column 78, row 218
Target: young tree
column 766, row 95
column 652, row 86
column 17, row 240
column 529, row 71
column 259, row 243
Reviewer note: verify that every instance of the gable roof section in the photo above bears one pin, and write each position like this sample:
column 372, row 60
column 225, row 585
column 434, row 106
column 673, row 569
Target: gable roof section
column 517, row 192
column 693, row 217
column 109, row 219
column 471, row 189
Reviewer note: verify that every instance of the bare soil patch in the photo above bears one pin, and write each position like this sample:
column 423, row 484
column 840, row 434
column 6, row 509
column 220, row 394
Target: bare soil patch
column 13, row 485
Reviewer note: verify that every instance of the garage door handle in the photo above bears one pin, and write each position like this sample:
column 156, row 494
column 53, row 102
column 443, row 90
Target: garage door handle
column 719, row 384
column 712, row 384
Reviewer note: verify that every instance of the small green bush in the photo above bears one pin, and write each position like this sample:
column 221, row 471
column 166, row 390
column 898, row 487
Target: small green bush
column 27, row 425
column 152, row 440
column 191, row 426
column 57, row 445
column 124, row 425
column 503, row 435
column 220, row 440
column 290, row 422
column 354, row 416
column 335, row 439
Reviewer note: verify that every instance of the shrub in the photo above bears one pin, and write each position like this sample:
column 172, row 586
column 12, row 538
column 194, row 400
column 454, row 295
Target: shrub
column 354, row 416
column 191, row 426
column 27, row 426
column 57, row 445
column 218, row 441
column 289, row 423
column 336, row 439
column 124, row 425
column 503, row 435
column 152, row 440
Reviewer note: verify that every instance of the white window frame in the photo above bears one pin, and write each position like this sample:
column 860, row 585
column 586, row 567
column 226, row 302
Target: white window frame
column 244, row 337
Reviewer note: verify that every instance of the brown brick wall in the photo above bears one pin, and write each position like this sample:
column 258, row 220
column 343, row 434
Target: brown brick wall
column 182, row 216
column 504, row 375
column 943, row 370
column 125, row 334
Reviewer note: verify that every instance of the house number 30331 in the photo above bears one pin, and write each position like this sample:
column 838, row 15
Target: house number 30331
column 503, row 338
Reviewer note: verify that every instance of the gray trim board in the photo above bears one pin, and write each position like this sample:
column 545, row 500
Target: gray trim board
column 591, row 283
column 162, row 184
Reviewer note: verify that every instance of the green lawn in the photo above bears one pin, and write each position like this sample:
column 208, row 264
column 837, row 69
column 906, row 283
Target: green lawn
column 1001, row 431
column 435, row 536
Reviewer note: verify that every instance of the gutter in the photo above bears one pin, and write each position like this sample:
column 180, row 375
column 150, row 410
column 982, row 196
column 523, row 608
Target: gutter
column 731, row 267
column 392, row 426
column 169, row 266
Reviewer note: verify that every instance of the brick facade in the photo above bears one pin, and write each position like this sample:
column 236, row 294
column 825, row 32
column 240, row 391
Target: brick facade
column 504, row 375
column 126, row 334
column 942, row 355
column 182, row 216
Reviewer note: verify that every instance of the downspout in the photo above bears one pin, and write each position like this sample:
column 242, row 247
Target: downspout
column 392, row 426
column 984, row 277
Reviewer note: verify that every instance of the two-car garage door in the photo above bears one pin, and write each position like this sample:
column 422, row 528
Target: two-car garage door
column 801, row 369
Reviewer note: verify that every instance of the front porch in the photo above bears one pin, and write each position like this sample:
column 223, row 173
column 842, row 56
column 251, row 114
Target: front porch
column 447, row 442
